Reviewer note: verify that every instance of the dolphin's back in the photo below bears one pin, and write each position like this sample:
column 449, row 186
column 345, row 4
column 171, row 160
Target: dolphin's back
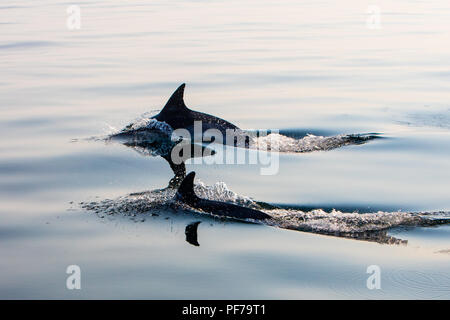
column 178, row 116
column 210, row 121
column 230, row 210
column 187, row 195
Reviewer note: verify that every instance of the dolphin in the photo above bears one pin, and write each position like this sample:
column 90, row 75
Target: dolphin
column 178, row 116
column 186, row 194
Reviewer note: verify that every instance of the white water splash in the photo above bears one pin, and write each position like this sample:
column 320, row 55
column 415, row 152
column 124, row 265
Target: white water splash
column 220, row 192
column 150, row 124
column 308, row 143
column 148, row 201
column 335, row 221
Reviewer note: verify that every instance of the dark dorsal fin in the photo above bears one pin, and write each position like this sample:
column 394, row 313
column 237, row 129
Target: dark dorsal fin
column 176, row 101
column 186, row 191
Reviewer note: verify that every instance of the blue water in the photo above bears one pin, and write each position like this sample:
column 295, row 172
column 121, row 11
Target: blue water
column 298, row 67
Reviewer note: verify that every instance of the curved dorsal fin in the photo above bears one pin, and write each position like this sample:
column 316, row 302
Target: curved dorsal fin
column 186, row 192
column 176, row 101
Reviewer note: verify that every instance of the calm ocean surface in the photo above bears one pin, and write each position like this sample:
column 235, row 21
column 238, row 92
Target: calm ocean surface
column 298, row 66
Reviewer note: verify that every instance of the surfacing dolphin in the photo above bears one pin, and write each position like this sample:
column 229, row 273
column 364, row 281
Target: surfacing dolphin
column 186, row 194
column 178, row 116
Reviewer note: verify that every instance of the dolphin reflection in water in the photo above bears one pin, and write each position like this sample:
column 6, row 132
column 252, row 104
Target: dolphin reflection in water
column 191, row 233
